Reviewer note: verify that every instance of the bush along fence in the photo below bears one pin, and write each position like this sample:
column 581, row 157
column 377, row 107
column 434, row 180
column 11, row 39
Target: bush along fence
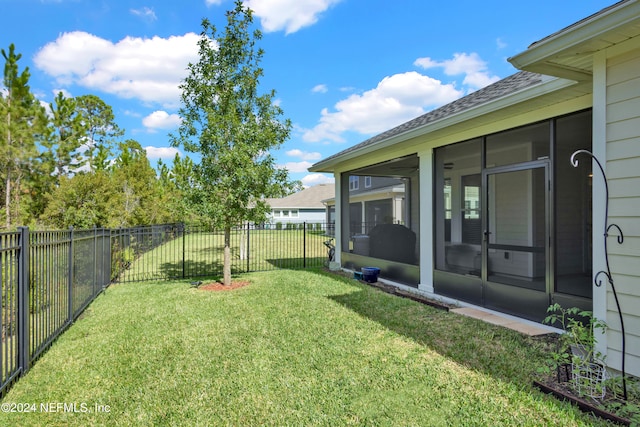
column 49, row 277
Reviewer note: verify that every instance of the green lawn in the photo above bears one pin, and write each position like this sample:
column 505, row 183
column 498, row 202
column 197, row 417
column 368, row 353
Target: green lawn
column 293, row 348
column 201, row 253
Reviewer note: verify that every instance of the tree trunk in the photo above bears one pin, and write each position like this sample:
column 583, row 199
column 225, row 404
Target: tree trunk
column 8, row 161
column 226, row 269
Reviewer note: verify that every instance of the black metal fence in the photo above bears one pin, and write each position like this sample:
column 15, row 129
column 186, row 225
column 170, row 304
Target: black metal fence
column 49, row 277
column 180, row 252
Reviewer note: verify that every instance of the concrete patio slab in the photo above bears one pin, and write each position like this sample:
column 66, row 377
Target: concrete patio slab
column 522, row 326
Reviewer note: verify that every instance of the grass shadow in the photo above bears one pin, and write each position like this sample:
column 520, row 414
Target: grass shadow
column 295, row 263
column 502, row 353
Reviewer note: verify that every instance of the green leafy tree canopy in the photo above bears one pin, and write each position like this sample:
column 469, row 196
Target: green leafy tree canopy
column 232, row 127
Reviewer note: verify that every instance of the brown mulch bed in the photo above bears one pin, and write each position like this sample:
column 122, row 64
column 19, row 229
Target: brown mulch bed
column 563, row 391
column 217, row 286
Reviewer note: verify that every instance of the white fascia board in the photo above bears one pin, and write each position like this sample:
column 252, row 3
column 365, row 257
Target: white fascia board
column 549, row 85
column 577, row 35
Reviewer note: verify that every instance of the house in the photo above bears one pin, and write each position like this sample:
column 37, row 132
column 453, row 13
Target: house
column 373, row 200
column 501, row 214
column 304, row 206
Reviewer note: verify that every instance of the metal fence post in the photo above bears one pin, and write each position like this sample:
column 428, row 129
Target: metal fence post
column 95, row 261
column 304, row 244
column 184, row 232
column 247, row 251
column 23, row 300
column 70, row 290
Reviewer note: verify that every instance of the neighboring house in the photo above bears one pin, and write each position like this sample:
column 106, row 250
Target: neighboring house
column 304, row 206
column 372, row 201
column 497, row 215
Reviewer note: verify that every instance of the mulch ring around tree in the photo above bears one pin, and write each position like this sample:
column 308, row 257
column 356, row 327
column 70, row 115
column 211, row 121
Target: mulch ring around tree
column 217, row 286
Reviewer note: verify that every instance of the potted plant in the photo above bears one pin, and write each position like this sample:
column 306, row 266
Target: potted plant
column 576, row 352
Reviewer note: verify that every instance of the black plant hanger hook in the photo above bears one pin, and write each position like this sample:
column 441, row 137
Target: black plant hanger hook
column 607, row 272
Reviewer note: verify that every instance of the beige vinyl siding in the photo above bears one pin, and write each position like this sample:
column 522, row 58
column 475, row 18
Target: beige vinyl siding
column 623, row 171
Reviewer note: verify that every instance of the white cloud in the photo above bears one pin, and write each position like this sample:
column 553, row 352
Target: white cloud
column 213, row 2
column 296, row 167
column 396, row 99
column 304, row 155
column 316, row 178
column 161, row 120
column 161, row 152
column 470, row 65
column 131, row 113
column 65, row 93
column 147, row 69
column 500, row 44
column 288, row 15
column 145, row 13
column 320, row 89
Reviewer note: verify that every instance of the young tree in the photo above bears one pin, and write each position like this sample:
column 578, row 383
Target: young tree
column 232, row 127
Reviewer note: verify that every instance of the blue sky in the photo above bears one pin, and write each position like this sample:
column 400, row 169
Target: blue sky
column 343, row 70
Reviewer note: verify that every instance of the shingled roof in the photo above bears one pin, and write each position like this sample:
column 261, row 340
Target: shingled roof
column 499, row 89
column 311, row 197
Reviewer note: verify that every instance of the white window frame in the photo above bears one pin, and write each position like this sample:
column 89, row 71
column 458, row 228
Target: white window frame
column 354, row 182
column 367, row 182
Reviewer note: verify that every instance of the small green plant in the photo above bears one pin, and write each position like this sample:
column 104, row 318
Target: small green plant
column 278, row 226
column 123, row 259
column 576, row 350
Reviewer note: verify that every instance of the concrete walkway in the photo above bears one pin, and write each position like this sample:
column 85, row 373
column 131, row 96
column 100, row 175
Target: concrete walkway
column 520, row 325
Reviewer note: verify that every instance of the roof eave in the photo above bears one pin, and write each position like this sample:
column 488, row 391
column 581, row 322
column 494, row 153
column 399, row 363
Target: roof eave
column 548, row 85
column 541, row 56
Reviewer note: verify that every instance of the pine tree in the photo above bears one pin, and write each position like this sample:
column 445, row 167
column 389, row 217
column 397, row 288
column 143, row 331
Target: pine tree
column 20, row 124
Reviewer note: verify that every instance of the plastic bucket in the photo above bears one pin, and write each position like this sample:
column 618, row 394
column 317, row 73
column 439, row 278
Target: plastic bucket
column 370, row 274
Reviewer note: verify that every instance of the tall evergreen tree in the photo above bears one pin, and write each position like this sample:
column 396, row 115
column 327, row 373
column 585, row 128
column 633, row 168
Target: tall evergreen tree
column 102, row 130
column 20, row 125
column 67, row 133
column 232, row 127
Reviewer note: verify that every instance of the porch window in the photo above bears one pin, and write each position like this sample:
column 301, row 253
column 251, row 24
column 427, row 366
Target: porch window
column 383, row 219
column 471, row 220
column 519, row 145
column 519, row 221
column 458, row 219
column 573, row 267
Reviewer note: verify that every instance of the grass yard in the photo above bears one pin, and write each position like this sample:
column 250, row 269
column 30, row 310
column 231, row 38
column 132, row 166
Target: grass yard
column 200, row 253
column 293, row 348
